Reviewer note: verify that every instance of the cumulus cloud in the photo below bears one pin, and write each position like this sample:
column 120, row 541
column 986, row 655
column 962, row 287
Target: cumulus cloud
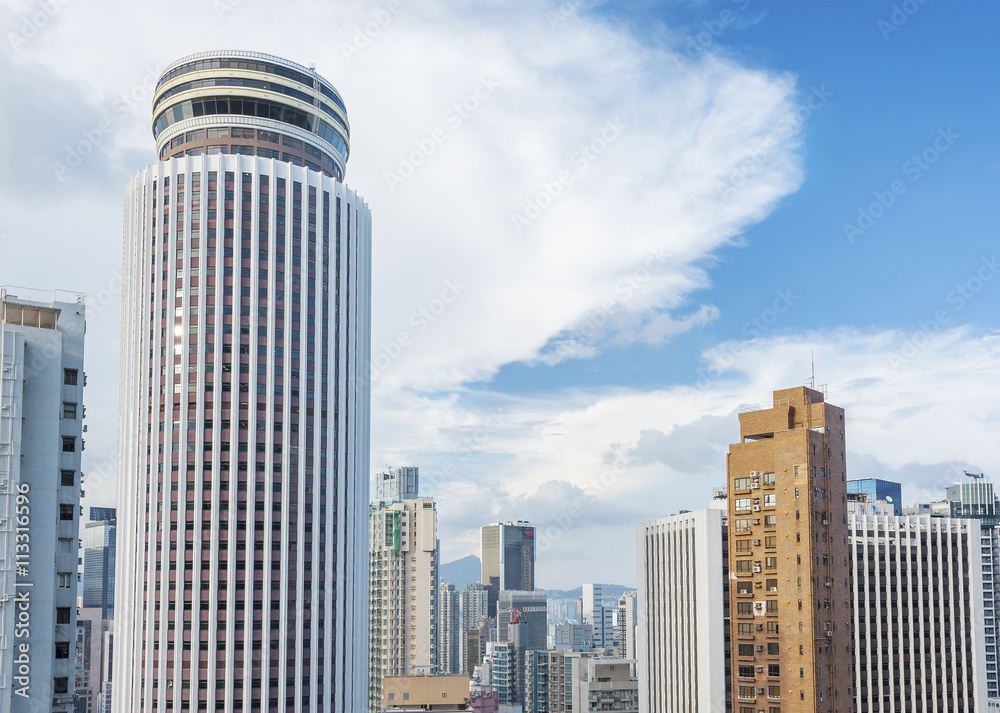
column 632, row 455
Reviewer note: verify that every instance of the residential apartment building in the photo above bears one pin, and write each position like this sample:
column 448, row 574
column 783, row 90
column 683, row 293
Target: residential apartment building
column 579, row 682
column 682, row 611
column 790, row 622
column 626, row 626
column 450, row 633
column 403, row 633
column 475, row 615
column 41, row 442
column 919, row 635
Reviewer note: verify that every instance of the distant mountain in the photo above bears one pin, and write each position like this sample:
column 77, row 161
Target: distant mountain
column 469, row 570
column 461, row 572
column 608, row 591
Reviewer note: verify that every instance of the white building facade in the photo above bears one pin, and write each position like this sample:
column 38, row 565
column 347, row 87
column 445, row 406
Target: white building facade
column 243, row 482
column 919, row 638
column 681, row 613
column 41, row 442
column 450, row 634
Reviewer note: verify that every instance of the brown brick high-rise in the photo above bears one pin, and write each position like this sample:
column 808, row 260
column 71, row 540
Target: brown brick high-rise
column 790, row 618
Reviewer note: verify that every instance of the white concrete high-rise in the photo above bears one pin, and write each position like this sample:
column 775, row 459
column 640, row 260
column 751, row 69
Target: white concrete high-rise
column 682, row 609
column 919, row 638
column 41, row 441
column 243, row 483
column 403, row 619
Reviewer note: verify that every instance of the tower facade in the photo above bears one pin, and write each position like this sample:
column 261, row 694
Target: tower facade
column 403, row 620
column 681, row 613
column 922, row 647
column 450, row 632
column 244, row 399
column 790, row 624
column 41, row 442
column 508, row 558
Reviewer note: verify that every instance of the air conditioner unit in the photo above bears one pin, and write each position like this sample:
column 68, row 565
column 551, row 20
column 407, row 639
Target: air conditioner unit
column 757, row 542
column 760, row 669
column 760, row 691
column 758, row 648
column 760, row 627
column 825, row 522
column 756, row 508
column 829, row 633
column 753, row 474
column 773, row 589
column 756, row 522
column 828, row 584
column 754, row 486
column 756, row 569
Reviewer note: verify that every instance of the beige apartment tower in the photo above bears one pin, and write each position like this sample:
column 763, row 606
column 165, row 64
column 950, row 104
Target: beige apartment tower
column 403, row 633
column 790, row 622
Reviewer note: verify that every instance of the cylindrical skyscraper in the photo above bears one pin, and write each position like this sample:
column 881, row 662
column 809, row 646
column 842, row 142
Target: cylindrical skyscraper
column 244, row 400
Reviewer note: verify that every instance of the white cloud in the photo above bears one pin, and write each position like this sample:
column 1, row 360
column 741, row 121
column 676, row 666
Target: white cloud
column 609, row 458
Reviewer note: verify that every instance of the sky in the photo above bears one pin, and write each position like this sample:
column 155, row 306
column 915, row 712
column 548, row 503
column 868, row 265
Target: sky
column 600, row 231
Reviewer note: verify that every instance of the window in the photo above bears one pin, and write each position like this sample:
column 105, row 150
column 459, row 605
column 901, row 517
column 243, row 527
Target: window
column 742, row 525
column 70, row 377
column 60, row 684
column 772, row 606
column 68, row 477
column 744, row 566
column 62, row 649
column 406, row 696
column 767, row 478
column 773, row 691
column 744, row 587
column 743, row 545
column 772, row 585
column 744, row 629
column 746, row 672
column 66, row 512
column 770, row 521
column 746, row 649
column 63, row 615
column 392, row 696
column 772, row 628
column 64, row 580
column 69, row 410
column 771, row 562
column 770, row 500
column 69, row 444
column 741, row 484
column 772, row 648
column 774, row 670
column 742, row 504
column 771, row 541
column 747, row 692
column 744, row 608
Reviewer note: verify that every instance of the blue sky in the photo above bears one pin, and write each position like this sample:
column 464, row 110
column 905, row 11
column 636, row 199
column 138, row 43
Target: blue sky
column 589, row 372
column 890, row 97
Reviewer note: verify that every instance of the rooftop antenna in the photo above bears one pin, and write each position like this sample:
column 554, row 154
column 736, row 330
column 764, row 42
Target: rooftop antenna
column 812, row 359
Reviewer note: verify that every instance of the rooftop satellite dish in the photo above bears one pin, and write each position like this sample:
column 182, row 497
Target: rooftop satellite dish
column 888, row 498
